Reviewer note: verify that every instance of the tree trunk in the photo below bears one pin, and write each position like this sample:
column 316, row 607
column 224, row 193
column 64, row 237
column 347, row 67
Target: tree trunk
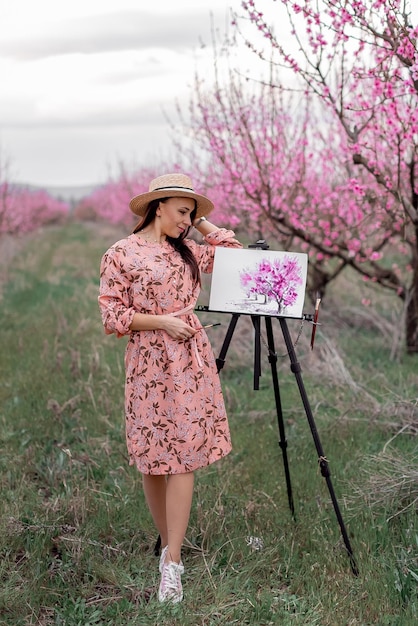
column 411, row 319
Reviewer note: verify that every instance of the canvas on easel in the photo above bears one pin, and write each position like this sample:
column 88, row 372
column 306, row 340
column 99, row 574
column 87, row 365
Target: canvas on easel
column 258, row 282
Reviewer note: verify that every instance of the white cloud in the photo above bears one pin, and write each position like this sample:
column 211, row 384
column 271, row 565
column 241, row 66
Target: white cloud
column 78, row 89
column 122, row 30
column 93, row 77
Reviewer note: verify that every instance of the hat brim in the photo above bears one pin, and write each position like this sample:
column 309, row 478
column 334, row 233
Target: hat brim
column 139, row 204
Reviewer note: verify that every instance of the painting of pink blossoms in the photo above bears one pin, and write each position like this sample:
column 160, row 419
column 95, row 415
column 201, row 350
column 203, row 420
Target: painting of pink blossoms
column 259, row 282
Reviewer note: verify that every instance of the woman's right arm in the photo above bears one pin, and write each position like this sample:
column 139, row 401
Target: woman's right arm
column 114, row 294
column 118, row 314
column 174, row 326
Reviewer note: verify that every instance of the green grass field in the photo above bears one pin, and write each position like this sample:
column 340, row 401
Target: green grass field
column 76, row 539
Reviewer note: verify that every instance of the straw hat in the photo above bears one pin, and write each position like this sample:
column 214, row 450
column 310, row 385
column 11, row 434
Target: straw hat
column 169, row 186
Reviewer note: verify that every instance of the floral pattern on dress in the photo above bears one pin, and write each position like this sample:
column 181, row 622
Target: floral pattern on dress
column 174, row 409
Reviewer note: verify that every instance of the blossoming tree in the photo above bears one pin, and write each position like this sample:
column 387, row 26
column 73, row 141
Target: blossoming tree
column 24, row 210
column 110, row 201
column 279, row 172
column 374, row 97
column 332, row 170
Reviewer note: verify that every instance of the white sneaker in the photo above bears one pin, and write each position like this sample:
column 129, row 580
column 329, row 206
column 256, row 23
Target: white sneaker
column 162, row 559
column 171, row 589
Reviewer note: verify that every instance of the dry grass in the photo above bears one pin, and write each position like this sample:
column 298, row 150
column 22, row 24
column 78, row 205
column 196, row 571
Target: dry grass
column 389, row 485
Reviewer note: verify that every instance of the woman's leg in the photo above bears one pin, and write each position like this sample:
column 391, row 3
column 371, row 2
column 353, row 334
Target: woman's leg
column 155, row 490
column 169, row 500
column 179, row 495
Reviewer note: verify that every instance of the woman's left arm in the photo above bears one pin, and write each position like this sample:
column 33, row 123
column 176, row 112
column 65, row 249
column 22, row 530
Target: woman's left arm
column 204, row 226
column 214, row 236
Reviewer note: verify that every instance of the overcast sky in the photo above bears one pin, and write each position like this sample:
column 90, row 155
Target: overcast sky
column 84, row 83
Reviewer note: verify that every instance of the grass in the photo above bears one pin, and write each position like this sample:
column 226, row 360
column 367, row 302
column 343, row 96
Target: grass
column 75, row 536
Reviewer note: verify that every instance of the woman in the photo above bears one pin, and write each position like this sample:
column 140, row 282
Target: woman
column 175, row 414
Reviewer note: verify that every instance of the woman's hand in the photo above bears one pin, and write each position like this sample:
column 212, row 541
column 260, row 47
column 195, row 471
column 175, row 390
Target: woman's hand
column 176, row 328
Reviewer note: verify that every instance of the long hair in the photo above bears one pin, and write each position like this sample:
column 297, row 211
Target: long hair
column 177, row 243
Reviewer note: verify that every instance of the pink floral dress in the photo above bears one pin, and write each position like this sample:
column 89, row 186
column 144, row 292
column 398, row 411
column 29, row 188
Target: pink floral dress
column 175, row 414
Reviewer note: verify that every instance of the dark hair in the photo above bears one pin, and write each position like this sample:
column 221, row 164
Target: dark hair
column 177, row 243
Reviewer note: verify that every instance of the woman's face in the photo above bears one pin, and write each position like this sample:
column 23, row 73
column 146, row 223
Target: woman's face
column 175, row 216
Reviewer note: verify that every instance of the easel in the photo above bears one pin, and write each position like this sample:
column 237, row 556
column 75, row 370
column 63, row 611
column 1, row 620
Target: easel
column 296, row 369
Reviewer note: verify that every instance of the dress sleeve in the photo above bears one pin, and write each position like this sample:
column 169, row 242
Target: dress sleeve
column 205, row 252
column 115, row 301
